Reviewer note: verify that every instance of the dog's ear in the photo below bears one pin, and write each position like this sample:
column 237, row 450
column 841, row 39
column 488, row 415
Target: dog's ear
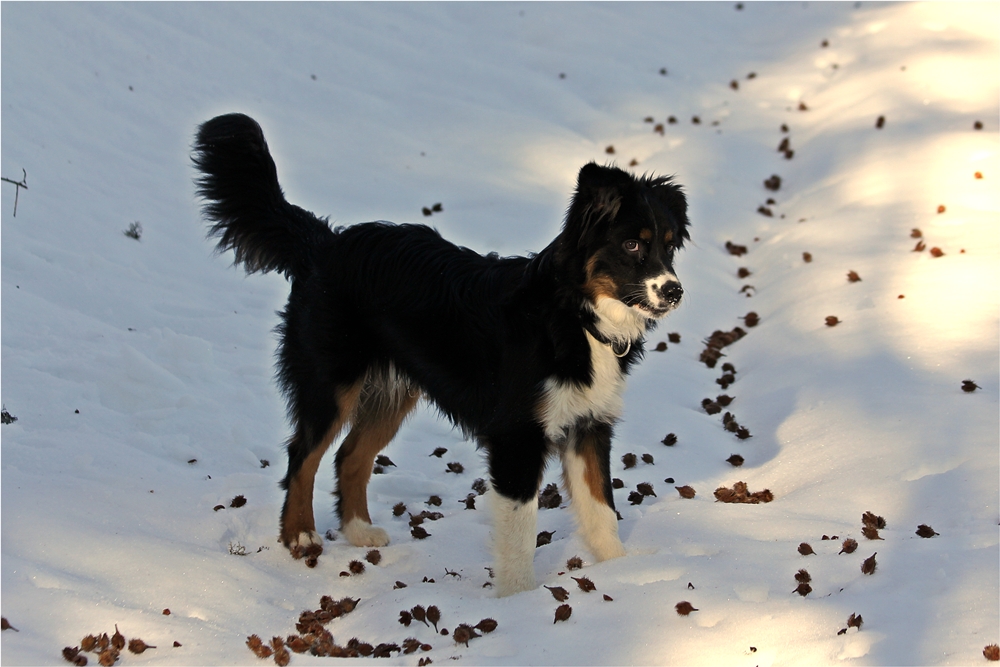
column 597, row 199
column 671, row 197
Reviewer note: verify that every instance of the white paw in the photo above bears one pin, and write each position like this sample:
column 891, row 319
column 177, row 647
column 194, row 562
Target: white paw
column 608, row 548
column 509, row 583
column 308, row 545
column 360, row 533
column 514, row 541
column 306, row 539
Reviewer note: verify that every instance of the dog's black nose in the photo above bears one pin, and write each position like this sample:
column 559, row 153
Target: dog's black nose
column 672, row 292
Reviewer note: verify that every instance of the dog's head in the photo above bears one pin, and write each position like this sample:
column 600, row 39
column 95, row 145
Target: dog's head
column 619, row 240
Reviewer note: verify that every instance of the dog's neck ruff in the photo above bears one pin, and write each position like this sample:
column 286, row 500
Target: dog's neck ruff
column 615, row 325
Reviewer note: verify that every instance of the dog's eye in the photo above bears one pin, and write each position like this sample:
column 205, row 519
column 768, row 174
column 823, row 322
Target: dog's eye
column 631, row 245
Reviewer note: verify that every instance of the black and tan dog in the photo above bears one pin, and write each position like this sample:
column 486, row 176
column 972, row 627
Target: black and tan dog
column 528, row 355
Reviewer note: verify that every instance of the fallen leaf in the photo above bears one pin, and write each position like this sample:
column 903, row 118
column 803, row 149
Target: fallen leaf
column 559, row 593
column 735, row 249
column 138, row 646
column 869, row 565
column 563, row 612
column 871, row 532
column 684, row 608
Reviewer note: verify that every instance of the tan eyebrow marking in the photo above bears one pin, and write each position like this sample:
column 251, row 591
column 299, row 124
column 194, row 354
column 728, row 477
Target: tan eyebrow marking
column 645, row 234
column 668, row 236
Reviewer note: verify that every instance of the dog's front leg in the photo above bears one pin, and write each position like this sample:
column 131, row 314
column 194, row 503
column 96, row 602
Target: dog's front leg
column 514, row 541
column 516, row 461
column 587, row 475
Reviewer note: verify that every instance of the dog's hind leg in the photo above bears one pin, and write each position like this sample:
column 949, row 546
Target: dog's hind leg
column 380, row 413
column 516, row 460
column 305, row 451
column 587, row 475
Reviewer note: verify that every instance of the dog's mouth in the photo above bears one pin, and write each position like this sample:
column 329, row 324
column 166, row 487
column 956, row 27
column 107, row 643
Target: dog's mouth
column 654, row 312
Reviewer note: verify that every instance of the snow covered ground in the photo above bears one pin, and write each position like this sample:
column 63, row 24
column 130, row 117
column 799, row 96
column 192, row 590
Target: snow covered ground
column 140, row 372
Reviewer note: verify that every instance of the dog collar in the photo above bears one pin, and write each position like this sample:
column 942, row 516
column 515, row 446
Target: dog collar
column 617, row 348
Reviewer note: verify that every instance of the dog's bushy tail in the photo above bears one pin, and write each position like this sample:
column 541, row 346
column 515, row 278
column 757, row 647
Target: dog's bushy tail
column 244, row 202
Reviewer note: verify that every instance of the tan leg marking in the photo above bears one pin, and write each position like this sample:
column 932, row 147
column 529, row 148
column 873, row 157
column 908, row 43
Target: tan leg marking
column 298, row 526
column 592, row 473
column 376, row 424
column 597, row 522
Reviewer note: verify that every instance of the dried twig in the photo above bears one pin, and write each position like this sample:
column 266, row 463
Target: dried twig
column 23, row 183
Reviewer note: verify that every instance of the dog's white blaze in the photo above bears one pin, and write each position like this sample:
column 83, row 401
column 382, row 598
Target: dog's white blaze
column 566, row 402
column 597, row 523
column 655, row 283
column 360, row 533
column 514, row 541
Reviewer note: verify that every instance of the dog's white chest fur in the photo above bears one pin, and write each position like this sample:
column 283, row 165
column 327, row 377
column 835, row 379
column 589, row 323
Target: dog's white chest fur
column 566, row 402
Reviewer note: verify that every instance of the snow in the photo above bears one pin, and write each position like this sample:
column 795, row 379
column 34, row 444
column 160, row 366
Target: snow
column 125, row 360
